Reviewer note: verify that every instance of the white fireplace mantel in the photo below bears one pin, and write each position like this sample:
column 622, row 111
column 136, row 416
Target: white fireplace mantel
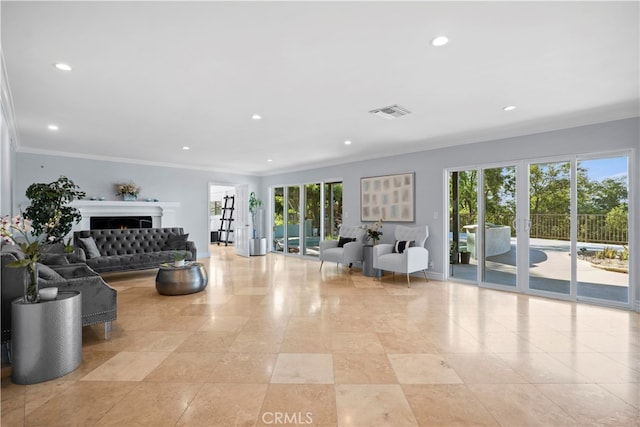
column 163, row 214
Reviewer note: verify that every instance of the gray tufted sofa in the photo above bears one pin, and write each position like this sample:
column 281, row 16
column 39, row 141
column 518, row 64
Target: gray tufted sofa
column 99, row 300
column 132, row 248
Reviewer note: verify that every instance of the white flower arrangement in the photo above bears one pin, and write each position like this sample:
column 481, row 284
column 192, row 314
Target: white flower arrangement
column 374, row 231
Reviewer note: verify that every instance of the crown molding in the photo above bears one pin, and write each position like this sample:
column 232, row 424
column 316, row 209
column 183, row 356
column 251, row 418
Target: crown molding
column 6, row 103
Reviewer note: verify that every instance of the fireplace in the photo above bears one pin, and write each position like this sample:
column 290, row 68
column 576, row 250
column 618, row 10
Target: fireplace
column 160, row 214
column 119, row 222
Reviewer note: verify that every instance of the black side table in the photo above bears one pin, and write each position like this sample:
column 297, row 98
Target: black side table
column 46, row 340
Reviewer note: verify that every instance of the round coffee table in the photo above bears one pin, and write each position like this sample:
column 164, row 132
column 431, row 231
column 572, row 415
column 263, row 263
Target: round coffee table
column 184, row 280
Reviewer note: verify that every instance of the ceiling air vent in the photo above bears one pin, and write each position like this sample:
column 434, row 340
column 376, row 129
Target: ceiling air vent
column 391, row 112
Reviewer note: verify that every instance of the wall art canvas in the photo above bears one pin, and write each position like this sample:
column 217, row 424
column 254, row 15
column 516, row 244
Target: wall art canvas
column 390, row 197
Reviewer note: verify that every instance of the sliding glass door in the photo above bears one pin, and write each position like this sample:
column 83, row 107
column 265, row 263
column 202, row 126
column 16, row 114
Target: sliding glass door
column 302, row 215
column 312, row 216
column 278, row 219
column 292, row 230
column 497, row 236
column 463, row 224
column 332, row 210
column 553, row 228
column 603, row 229
column 549, row 227
column 286, row 219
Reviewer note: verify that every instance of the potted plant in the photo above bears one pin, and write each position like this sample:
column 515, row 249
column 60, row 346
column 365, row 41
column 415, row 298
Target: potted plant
column 254, row 204
column 31, row 245
column 179, row 259
column 374, row 231
column 465, row 256
column 49, row 210
column 453, row 253
column 258, row 244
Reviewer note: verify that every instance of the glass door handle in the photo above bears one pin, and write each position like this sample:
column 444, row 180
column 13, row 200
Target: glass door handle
column 527, row 224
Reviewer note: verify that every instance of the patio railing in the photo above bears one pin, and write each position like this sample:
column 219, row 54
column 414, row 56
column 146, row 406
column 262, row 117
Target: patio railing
column 591, row 227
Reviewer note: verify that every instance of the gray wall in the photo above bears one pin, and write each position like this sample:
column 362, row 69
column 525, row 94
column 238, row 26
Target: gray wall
column 429, row 167
column 97, row 178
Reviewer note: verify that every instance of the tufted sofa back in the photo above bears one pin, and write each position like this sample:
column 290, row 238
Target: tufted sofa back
column 129, row 241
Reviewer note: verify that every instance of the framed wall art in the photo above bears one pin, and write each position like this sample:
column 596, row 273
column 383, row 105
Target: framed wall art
column 391, row 197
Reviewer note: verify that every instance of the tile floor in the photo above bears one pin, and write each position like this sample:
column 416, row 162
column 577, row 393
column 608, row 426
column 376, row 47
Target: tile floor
column 273, row 341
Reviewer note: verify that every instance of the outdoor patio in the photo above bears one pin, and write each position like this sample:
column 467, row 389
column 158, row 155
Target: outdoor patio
column 550, row 270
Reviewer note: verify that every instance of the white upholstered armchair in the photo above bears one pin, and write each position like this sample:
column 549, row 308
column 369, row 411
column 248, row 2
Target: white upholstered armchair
column 407, row 255
column 347, row 249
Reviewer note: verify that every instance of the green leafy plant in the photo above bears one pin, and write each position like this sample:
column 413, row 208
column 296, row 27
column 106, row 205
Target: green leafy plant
column 49, row 209
column 179, row 256
column 68, row 246
column 610, row 253
column 254, row 204
column 453, row 252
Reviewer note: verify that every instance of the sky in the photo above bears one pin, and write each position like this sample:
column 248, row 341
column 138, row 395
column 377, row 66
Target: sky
column 600, row 169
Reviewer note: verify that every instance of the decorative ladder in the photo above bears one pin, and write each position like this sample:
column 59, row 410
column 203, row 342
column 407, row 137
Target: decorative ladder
column 226, row 221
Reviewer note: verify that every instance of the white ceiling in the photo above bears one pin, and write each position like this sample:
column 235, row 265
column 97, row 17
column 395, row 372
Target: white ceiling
column 151, row 77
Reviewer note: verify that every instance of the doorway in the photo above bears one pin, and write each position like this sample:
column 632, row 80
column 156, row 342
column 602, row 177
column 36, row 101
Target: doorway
column 217, row 194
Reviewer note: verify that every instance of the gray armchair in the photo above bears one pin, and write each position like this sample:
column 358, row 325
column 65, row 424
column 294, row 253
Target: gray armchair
column 99, row 300
column 342, row 251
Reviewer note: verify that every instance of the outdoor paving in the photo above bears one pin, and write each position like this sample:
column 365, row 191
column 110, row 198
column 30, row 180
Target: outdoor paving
column 550, row 270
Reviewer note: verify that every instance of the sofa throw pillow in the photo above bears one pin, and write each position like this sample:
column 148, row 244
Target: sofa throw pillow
column 344, row 240
column 177, row 242
column 75, row 257
column 53, row 248
column 401, row 245
column 47, row 273
column 89, row 246
column 53, row 259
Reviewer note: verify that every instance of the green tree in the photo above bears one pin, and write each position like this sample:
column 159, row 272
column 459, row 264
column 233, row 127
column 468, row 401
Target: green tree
column 312, row 204
column 332, row 208
column 499, row 192
column 549, row 188
column 600, row 197
column 278, row 209
column 468, row 196
column 49, row 210
column 608, row 194
column 617, row 223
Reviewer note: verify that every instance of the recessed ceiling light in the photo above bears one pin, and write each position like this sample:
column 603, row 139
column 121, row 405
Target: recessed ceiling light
column 509, row 108
column 52, row 127
column 185, row 148
column 61, row 66
column 269, row 160
column 256, row 117
column 439, row 41
column 347, row 142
